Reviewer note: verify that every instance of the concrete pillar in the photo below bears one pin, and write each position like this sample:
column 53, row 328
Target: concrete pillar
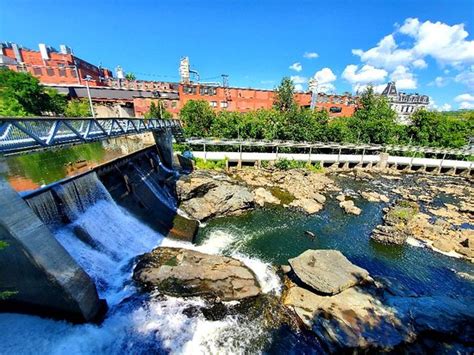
column 46, row 279
column 164, row 143
column 383, row 160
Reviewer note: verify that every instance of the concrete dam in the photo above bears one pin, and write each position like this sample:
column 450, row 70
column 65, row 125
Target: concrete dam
column 68, row 241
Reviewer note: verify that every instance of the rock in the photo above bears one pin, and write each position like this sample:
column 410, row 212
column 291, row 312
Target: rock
column 352, row 319
column 373, row 196
column 225, row 199
column 285, row 269
column 183, row 228
column 445, row 245
column 319, row 198
column 310, row 234
column 341, row 197
column 308, row 205
column 187, row 273
column 327, row 271
column 194, row 185
column 349, row 207
column 362, row 175
column 263, row 196
column 388, row 235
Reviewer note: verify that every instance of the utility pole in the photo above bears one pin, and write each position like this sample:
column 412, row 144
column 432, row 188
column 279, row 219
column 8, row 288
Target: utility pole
column 313, row 87
column 87, row 79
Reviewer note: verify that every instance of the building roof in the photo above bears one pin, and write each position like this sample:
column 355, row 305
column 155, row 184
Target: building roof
column 106, row 93
column 390, row 89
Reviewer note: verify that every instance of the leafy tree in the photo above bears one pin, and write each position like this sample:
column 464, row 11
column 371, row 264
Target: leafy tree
column 197, row 116
column 284, row 96
column 130, row 77
column 78, row 108
column 158, row 110
column 21, row 94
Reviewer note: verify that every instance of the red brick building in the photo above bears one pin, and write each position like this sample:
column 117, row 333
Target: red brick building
column 66, row 72
column 51, row 66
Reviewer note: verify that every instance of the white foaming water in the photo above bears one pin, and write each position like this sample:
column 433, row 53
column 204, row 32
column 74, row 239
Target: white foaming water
column 134, row 325
column 228, row 242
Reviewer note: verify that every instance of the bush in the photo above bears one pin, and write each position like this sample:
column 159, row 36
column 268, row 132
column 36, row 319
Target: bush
column 210, row 165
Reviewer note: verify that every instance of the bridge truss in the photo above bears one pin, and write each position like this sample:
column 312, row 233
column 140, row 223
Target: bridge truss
column 18, row 135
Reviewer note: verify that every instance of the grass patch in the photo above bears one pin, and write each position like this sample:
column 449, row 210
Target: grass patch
column 284, row 196
column 210, row 165
column 403, row 211
column 285, row 164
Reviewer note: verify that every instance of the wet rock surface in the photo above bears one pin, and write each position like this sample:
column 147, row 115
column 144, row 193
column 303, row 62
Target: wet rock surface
column 327, row 271
column 349, row 207
column 370, row 317
column 185, row 272
column 203, row 196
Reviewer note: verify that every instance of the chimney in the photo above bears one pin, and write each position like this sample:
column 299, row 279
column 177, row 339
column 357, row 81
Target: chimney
column 44, row 51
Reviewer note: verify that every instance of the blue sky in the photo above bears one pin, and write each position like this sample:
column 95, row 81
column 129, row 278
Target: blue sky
column 426, row 46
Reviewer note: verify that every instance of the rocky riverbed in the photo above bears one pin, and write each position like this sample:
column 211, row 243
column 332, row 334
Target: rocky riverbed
column 342, row 304
column 446, row 226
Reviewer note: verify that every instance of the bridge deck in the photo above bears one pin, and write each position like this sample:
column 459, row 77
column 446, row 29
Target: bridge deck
column 18, row 135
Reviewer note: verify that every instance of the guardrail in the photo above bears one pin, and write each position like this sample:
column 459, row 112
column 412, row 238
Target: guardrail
column 327, row 145
column 18, row 135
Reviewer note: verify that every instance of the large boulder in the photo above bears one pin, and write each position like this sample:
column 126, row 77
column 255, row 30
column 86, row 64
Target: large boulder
column 263, row 196
column 185, row 272
column 349, row 207
column 327, row 271
column 352, row 319
column 225, row 199
column 308, row 205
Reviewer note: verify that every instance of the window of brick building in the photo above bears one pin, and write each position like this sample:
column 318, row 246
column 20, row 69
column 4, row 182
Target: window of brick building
column 62, row 72
column 174, row 104
column 224, row 104
column 213, row 103
column 37, row 71
column 50, row 71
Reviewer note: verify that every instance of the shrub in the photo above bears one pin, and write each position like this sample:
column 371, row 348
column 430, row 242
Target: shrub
column 210, row 165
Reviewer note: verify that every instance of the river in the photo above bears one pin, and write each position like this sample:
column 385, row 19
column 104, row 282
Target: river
column 263, row 239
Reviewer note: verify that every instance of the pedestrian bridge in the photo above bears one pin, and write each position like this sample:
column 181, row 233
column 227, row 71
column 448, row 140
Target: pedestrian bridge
column 336, row 154
column 22, row 134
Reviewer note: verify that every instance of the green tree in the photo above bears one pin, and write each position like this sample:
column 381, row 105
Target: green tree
column 158, row 110
column 198, row 117
column 374, row 121
column 78, row 108
column 130, row 77
column 284, row 96
column 21, row 94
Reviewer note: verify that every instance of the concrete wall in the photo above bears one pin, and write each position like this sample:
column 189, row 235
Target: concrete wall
column 46, row 278
column 164, row 143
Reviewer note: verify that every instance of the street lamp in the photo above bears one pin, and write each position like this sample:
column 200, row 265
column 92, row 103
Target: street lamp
column 87, row 79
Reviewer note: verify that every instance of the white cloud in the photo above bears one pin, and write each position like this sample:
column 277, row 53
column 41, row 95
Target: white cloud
column 447, row 44
column 298, row 79
column 325, row 77
column 440, row 81
column 311, row 55
column 434, row 107
column 466, row 105
column 365, row 75
column 403, row 78
column 419, row 64
column 386, row 54
column 296, row 67
column 464, row 97
column 466, row 77
column 466, row 101
column 360, row 88
column 299, row 88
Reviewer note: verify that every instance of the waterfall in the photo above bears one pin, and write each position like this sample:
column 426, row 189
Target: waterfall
column 45, row 208
column 79, row 194
column 160, row 192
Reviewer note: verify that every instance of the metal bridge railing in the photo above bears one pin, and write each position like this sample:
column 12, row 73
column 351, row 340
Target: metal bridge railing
column 467, row 151
column 29, row 133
